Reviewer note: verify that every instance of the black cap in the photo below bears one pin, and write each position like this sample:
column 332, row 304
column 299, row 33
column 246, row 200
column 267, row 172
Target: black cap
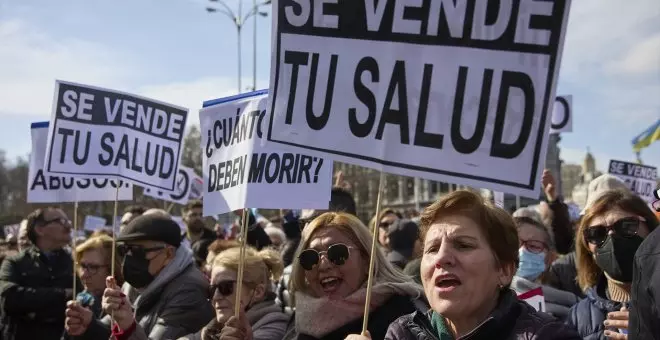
column 152, row 228
column 403, row 234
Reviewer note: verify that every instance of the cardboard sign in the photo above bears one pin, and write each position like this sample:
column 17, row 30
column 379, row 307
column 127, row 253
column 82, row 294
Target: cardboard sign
column 93, row 223
column 243, row 170
column 534, row 298
column 641, row 179
column 187, row 187
column 99, row 132
column 453, row 93
column 44, row 187
column 562, row 115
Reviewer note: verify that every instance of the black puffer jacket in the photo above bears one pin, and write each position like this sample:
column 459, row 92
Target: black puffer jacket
column 512, row 319
column 587, row 316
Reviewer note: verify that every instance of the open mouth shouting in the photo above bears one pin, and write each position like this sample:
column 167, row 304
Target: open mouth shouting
column 446, row 283
column 330, row 284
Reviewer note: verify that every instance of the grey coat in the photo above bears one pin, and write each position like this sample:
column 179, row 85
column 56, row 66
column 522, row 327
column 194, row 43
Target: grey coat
column 266, row 318
column 557, row 302
column 174, row 305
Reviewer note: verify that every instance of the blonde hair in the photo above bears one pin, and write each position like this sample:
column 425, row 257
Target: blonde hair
column 260, row 266
column 384, row 272
column 102, row 243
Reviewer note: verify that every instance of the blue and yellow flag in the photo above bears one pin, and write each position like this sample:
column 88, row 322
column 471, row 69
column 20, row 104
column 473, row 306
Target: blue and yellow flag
column 647, row 137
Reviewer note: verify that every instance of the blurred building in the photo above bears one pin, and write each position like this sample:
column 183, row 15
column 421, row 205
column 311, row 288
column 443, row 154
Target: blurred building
column 571, row 175
column 589, row 173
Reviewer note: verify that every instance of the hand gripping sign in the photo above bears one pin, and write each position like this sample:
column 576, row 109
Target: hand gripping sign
column 241, row 169
column 187, row 188
column 98, row 132
column 44, row 187
column 459, row 92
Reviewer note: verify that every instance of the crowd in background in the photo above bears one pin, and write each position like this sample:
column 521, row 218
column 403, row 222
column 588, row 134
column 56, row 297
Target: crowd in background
column 453, row 271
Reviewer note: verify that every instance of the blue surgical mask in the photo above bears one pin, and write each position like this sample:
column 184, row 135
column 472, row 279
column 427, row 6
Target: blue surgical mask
column 531, row 265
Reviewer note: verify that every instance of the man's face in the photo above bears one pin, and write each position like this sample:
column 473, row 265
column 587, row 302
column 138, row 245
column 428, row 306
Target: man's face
column 55, row 228
column 23, row 240
column 157, row 253
column 193, row 219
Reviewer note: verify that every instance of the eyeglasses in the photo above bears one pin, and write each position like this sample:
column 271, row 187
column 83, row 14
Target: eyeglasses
column 91, row 268
column 224, row 288
column 626, row 227
column 337, row 254
column 137, row 251
column 534, row 246
column 59, row 220
column 385, row 224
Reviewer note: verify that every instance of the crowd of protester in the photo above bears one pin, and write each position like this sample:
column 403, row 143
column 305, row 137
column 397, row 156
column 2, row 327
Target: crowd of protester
column 453, row 271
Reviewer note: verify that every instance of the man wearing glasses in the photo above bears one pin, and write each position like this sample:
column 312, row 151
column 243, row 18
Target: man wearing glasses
column 36, row 283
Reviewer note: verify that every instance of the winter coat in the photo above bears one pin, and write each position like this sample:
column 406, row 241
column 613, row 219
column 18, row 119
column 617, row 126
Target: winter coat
column 267, row 320
column 562, row 275
column 645, row 311
column 379, row 319
column 512, row 319
column 32, row 294
column 174, row 306
column 587, row 316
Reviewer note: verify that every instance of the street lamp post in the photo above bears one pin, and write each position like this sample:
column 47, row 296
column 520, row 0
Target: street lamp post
column 238, row 19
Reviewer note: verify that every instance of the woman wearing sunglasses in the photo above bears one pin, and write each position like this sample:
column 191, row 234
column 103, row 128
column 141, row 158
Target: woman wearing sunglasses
column 608, row 237
column 329, row 277
column 535, row 254
column 469, row 258
column 262, row 318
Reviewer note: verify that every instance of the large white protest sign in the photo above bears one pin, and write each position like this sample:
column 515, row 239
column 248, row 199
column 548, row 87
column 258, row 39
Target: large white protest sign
column 456, row 91
column 93, row 223
column 187, row 187
column 45, row 187
column 641, row 179
column 242, row 170
column 102, row 132
column 534, row 298
column 562, row 115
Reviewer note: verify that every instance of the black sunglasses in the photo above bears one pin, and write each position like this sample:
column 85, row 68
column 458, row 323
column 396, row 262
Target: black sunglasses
column 137, row 251
column 224, row 288
column 60, row 220
column 337, row 254
column 91, row 268
column 626, row 227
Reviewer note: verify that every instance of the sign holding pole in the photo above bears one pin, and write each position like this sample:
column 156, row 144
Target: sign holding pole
column 462, row 94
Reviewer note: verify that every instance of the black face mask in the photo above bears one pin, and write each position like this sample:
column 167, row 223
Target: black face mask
column 616, row 255
column 136, row 271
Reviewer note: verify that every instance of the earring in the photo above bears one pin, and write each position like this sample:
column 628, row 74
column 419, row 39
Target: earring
column 500, row 286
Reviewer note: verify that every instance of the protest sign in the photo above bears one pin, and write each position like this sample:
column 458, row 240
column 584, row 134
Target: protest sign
column 45, row 187
column 93, row 223
column 562, row 115
column 187, row 187
column 102, row 132
column 458, row 91
column 641, row 179
column 534, row 298
column 242, row 170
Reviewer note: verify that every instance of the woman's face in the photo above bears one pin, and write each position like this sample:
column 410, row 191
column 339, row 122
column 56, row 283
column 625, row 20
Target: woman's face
column 459, row 271
column 534, row 239
column 224, row 296
column 335, row 281
column 611, row 217
column 383, row 225
column 93, row 269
